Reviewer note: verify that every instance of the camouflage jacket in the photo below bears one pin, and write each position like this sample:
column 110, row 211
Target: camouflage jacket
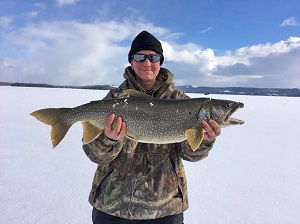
column 138, row 180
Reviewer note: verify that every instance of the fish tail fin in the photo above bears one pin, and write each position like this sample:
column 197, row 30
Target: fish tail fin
column 51, row 116
column 90, row 132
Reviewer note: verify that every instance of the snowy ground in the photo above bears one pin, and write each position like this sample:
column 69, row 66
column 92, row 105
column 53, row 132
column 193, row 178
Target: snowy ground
column 252, row 175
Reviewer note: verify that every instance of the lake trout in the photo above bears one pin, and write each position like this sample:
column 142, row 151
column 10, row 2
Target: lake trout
column 148, row 120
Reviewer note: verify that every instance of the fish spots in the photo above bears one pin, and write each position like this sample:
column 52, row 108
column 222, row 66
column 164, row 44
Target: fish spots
column 136, row 108
column 115, row 105
column 125, row 101
column 151, row 104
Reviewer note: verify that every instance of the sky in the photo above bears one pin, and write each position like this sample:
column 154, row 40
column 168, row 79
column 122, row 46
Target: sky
column 251, row 175
column 214, row 43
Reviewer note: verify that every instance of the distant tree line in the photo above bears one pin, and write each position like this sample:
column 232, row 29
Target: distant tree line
column 43, row 85
column 294, row 92
column 32, row 85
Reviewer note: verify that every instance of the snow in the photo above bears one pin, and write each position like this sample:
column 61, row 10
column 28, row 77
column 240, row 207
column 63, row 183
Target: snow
column 252, row 174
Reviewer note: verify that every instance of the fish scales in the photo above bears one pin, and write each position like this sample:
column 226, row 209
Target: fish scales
column 148, row 120
column 158, row 121
column 165, row 120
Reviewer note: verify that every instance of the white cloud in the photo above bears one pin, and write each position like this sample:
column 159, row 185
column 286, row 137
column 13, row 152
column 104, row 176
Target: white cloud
column 289, row 22
column 32, row 14
column 188, row 53
column 207, row 29
column 5, row 21
column 72, row 52
column 40, row 5
column 96, row 53
column 270, row 64
column 261, row 65
column 66, row 2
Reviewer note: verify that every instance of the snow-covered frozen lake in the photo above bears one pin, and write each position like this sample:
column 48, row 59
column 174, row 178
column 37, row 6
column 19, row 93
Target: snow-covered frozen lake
column 251, row 176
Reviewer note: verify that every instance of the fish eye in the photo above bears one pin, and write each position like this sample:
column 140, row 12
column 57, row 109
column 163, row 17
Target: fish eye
column 228, row 105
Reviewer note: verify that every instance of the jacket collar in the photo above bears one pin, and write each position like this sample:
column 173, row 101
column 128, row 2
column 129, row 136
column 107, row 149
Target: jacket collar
column 163, row 80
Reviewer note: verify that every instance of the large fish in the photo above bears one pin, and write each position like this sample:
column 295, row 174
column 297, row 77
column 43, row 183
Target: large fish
column 148, row 120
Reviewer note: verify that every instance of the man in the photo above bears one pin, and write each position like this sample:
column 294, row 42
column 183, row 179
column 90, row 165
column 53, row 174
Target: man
column 139, row 182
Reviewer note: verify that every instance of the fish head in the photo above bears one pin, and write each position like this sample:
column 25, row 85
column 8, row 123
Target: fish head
column 221, row 111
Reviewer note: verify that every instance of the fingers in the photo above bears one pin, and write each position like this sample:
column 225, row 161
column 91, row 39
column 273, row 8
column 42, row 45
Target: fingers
column 109, row 121
column 123, row 130
column 118, row 131
column 212, row 129
column 216, row 127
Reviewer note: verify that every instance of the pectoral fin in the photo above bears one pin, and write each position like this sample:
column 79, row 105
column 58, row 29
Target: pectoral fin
column 90, row 132
column 194, row 137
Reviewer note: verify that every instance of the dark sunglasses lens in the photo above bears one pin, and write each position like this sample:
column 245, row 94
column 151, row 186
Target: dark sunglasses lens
column 154, row 58
column 139, row 57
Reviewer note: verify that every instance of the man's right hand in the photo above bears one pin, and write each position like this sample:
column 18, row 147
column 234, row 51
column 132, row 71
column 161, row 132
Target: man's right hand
column 117, row 132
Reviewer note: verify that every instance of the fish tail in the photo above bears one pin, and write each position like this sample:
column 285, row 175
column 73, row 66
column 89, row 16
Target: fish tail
column 51, row 116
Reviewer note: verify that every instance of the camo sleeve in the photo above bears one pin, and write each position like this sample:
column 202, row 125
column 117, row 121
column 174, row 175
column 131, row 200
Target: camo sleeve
column 188, row 154
column 102, row 150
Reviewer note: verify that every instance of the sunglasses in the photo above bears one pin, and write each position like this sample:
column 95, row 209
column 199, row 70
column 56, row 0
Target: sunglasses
column 138, row 57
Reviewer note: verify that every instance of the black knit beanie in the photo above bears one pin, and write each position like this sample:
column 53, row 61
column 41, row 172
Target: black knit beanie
column 145, row 41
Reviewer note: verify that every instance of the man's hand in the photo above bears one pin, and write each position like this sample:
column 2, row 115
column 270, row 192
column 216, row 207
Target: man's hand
column 117, row 132
column 212, row 129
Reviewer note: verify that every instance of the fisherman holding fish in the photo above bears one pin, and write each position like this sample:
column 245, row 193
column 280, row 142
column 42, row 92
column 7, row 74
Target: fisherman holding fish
column 134, row 181
column 138, row 135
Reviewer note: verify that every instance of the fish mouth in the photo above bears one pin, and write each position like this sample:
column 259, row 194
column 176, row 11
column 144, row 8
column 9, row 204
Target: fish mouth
column 234, row 121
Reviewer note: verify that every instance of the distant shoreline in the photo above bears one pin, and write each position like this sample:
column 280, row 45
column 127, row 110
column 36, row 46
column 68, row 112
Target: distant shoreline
column 294, row 92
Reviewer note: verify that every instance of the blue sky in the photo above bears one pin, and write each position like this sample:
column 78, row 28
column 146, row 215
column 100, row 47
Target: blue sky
column 206, row 43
